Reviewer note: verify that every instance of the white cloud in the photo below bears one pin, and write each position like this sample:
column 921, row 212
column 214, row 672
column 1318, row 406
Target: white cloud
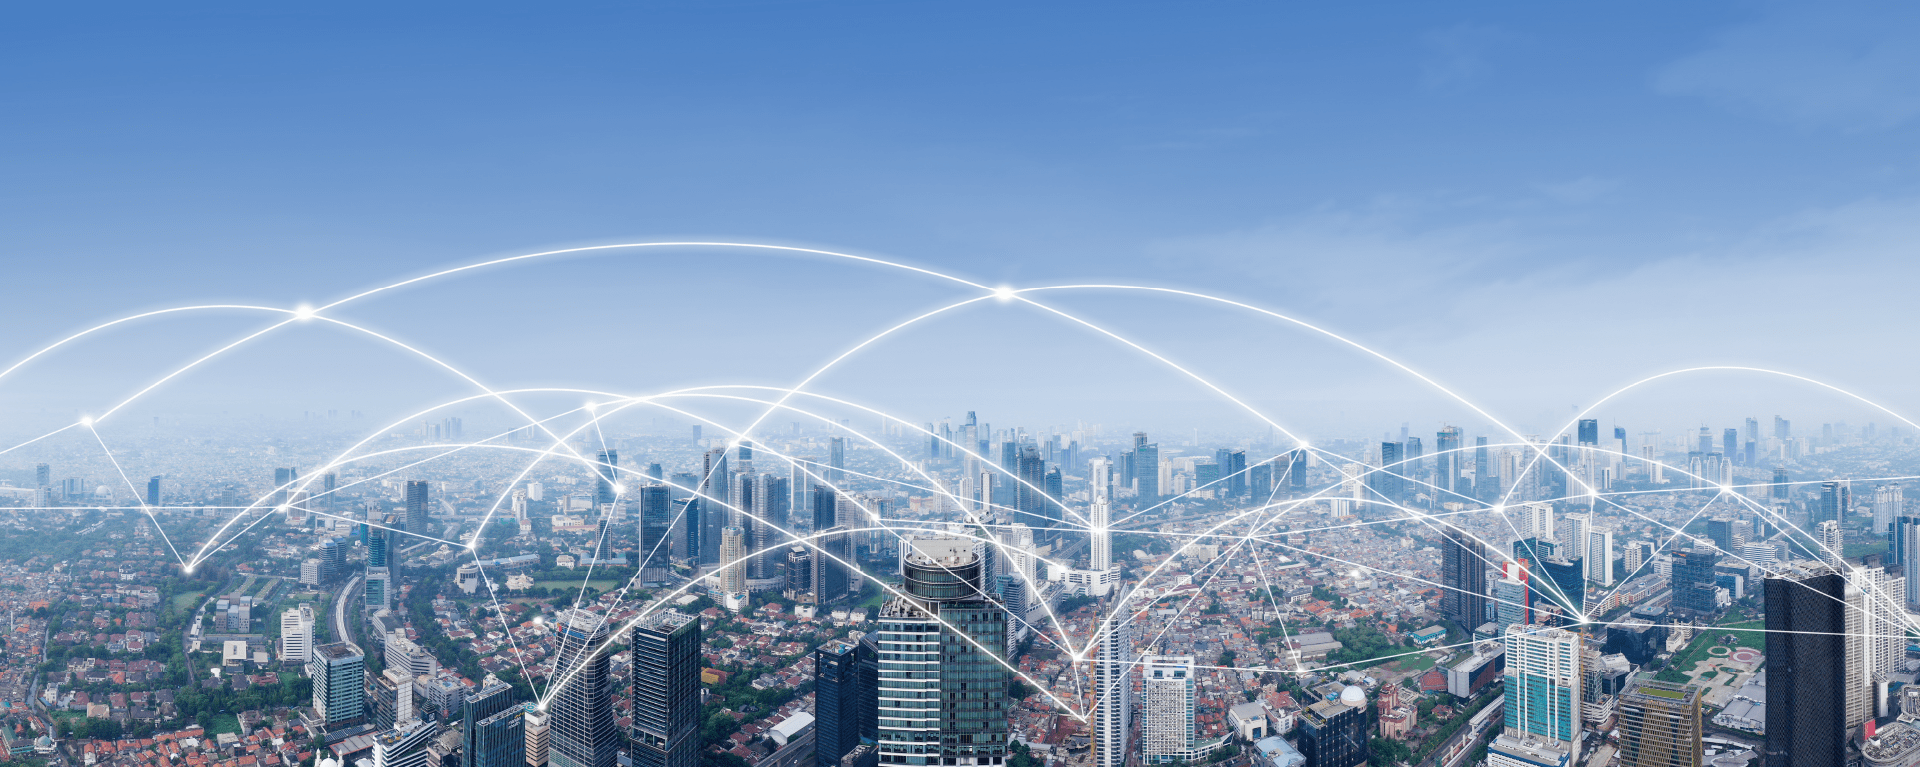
column 1846, row 65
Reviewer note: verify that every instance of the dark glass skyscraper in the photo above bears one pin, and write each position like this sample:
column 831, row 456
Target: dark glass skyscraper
column 666, row 690
column 1233, row 467
column 843, row 706
column 1832, row 503
column 1806, row 670
column 1297, row 470
column 581, row 723
column 1146, row 470
column 1446, row 460
column 493, row 730
column 1589, row 431
column 419, row 519
column 605, row 474
column 1388, row 481
column 1463, row 573
column 656, row 520
column 1693, row 580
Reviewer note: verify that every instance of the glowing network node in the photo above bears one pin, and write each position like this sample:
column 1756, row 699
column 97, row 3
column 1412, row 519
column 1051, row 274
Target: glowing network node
column 86, row 420
column 619, row 489
column 303, row 312
column 1004, row 293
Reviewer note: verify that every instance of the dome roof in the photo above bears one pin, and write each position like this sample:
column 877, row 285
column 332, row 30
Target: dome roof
column 1353, row 696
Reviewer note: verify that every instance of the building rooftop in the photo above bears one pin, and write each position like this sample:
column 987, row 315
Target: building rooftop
column 338, row 651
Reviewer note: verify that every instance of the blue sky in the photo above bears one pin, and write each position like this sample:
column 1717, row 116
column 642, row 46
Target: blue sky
column 1536, row 203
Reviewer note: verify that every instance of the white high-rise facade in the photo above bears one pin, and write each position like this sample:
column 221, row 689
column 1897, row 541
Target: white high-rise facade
column 1100, row 554
column 1832, row 545
column 1113, row 691
column 1888, row 501
column 1537, row 521
column 1573, row 536
column 1600, row 556
column 296, row 634
column 1100, row 477
column 1859, row 651
column 1166, row 708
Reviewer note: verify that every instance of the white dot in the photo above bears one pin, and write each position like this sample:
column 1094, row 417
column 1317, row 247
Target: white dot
column 1003, row 293
column 86, row 420
column 619, row 488
column 303, row 311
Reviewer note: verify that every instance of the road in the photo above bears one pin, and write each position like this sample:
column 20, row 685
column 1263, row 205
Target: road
column 340, row 611
column 795, row 753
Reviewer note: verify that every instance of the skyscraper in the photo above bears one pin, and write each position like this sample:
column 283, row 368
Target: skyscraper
column 836, row 460
column 1463, row 576
column 1100, row 547
column 830, row 581
column 1447, row 455
column 1112, row 679
column 419, row 522
column 843, row 711
column 732, row 577
column 296, row 634
column 1660, row 725
column 943, row 694
column 666, row 690
column 713, row 498
column 1166, row 708
column 1830, row 508
column 1543, row 690
column 153, row 491
column 1693, row 581
column 1389, row 482
column 581, row 713
column 339, row 672
column 1146, row 474
column 656, row 521
column 1806, row 670
column 1233, row 468
column 493, row 731
column 1031, row 505
column 606, row 473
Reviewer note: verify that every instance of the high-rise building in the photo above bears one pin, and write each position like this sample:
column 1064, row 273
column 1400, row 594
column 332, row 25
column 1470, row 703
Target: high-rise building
column 1832, row 507
column 1390, row 481
column 1166, row 708
column 943, row 691
column 713, row 498
column 731, row 580
column 656, row 523
column 153, row 491
column 407, row 744
column 1831, row 542
column 493, row 729
column 296, row 634
column 1334, row 732
column 1297, row 468
column 1100, row 553
column 42, row 475
column 1112, row 679
column 581, row 713
column 1463, row 578
column 390, row 694
column 666, row 690
column 419, row 519
column 1660, row 725
column 1589, row 432
column 1781, row 487
column 1543, row 695
column 1512, row 597
column 844, row 709
column 1599, row 559
column 1806, row 670
column 831, row 579
column 1233, row 469
column 538, row 736
column 339, row 672
column 1446, row 458
column 1032, row 506
column 1694, row 588
column 836, row 460
column 1146, row 474
column 605, row 473
column 1889, row 502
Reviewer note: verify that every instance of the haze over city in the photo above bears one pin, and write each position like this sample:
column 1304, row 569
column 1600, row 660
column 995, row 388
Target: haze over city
column 834, row 384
